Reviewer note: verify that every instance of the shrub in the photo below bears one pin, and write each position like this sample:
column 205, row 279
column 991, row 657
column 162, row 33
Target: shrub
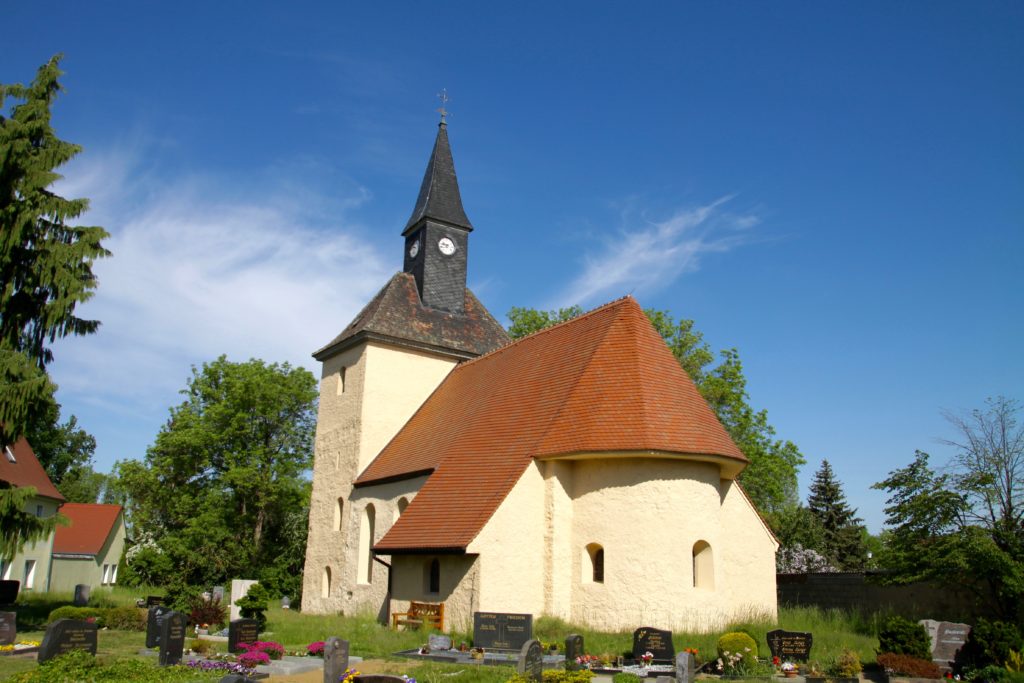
column 200, row 646
column 125, row 619
column 847, row 665
column 904, row 637
column 253, row 658
column 906, row 665
column 989, row 644
column 71, row 612
column 997, row 674
column 625, row 678
column 210, row 612
column 316, row 649
column 737, row 643
column 254, row 605
column 559, row 676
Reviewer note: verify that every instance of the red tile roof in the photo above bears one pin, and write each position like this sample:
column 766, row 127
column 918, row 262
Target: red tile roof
column 602, row 382
column 27, row 471
column 91, row 526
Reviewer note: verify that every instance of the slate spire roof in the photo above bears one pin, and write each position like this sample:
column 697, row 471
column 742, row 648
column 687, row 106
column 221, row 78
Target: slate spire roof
column 604, row 382
column 439, row 197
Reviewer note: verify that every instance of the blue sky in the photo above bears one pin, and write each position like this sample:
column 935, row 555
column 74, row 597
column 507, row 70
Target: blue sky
column 833, row 188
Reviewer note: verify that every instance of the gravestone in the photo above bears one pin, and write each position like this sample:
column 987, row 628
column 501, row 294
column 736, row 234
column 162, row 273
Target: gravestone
column 239, row 587
column 218, row 593
column 65, row 635
column 531, row 661
column 154, row 624
column 172, row 638
column 949, row 638
column 286, row 602
column 793, row 646
column 335, row 659
column 573, row 649
column 154, row 600
column 655, row 641
column 9, row 592
column 242, row 631
column 686, row 667
column 501, row 631
column 436, row 642
column 8, row 627
column 81, row 595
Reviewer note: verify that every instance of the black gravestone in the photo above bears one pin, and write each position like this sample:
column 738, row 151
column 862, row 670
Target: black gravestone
column 335, row 659
column 531, row 661
column 655, row 641
column 794, row 646
column 172, row 638
column 154, row 624
column 500, row 631
column 573, row 649
column 65, row 635
column 9, row 592
column 8, row 627
column 81, row 595
column 154, row 600
column 242, row 631
column 686, row 667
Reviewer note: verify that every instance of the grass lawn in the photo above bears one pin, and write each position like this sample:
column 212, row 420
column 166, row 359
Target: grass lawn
column 833, row 631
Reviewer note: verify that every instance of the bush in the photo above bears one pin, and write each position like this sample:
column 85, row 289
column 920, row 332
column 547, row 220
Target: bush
column 847, row 665
column 83, row 613
column 989, row 644
column 79, row 665
column 559, row 676
column 253, row 658
column 997, row 674
column 625, row 678
column 118, row 618
column 200, row 646
column 906, row 665
column 904, row 637
column 210, row 612
column 738, row 643
column 254, row 605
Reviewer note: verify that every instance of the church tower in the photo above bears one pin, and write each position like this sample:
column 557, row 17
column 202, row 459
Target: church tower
column 375, row 375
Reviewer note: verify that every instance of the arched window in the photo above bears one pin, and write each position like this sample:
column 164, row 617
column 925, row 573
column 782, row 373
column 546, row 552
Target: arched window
column 403, row 503
column 594, row 566
column 703, row 566
column 325, row 583
column 365, row 543
column 341, row 381
column 432, row 576
column 337, row 513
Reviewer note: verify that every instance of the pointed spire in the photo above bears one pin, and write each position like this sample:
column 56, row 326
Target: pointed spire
column 439, row 198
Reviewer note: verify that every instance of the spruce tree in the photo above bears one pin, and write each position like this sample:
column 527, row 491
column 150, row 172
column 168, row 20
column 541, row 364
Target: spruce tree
column 842, row 542
column 45, row 263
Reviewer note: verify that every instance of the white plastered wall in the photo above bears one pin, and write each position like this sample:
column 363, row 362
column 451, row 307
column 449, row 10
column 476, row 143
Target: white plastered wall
column 383, row 387
column 748, row 560
column 459, row 586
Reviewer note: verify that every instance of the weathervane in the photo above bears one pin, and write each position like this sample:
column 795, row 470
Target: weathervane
column 443, row 96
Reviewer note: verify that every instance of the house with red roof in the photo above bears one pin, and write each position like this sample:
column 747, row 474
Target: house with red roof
column 19, row 467
column 576, row 472
column 88, row 550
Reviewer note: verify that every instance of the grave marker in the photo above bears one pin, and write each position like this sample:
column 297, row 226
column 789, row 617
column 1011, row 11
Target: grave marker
column 81, row 595
column 239, row 589
column 686, row 667
column 8, row 627
column 573, row 649
column 172, row 638
column 154, row 600
column 154, row 624
column 9, row 592
column 655, row 641
column 436, row 642
column 335, row 659
column 65, row 635
column 949, row 638
column 531, row 661
column 218, row 593
column 501, row 631
column 790, row 645
column 242, row 631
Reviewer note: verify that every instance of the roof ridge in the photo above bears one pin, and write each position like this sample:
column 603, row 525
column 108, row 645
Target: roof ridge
column 550, row 328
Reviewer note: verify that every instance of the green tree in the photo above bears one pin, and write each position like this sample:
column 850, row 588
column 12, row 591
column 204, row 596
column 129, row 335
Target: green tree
column 20, row 527
column 45, row 264
column 65, row 451
column 842, row 540
column 218, row 489
column 771, row 477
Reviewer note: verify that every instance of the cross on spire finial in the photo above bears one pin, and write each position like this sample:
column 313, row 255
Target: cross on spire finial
column 443, row 96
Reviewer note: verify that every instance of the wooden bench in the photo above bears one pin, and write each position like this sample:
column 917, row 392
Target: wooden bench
column 420, row 614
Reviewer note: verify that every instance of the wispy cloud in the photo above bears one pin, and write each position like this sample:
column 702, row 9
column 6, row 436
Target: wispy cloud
column 201, row 269
column 648, row 255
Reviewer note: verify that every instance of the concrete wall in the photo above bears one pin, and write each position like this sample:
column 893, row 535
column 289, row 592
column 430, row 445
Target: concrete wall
column 383, row 387
column 863, row 593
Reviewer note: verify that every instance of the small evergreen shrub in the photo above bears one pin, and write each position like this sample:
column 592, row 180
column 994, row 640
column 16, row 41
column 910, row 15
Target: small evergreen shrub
column 904, row 637
column 200, row 646
column 71, row 612
column 125, row 619
column 738, row 643
column 847, row 665
column 989, row 644
column 625, row 678
column 254, row 605
column 906, row 665
column 997, row 674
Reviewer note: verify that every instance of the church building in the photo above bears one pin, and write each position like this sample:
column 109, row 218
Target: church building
column 575, row 473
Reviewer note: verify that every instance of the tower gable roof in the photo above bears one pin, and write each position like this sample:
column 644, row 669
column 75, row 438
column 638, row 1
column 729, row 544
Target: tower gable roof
column 397, row 315
column 439, row 197
column 603, row 382
column 27, row 470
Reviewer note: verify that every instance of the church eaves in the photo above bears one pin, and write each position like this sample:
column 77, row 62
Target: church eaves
column 604, row 382
column 439, row 198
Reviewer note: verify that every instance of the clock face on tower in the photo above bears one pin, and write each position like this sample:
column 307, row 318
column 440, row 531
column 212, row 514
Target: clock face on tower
column 446, row 246
column 414, row 249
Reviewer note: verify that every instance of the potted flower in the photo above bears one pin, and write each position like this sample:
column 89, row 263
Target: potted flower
column 646, row 658
column 788, row 669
